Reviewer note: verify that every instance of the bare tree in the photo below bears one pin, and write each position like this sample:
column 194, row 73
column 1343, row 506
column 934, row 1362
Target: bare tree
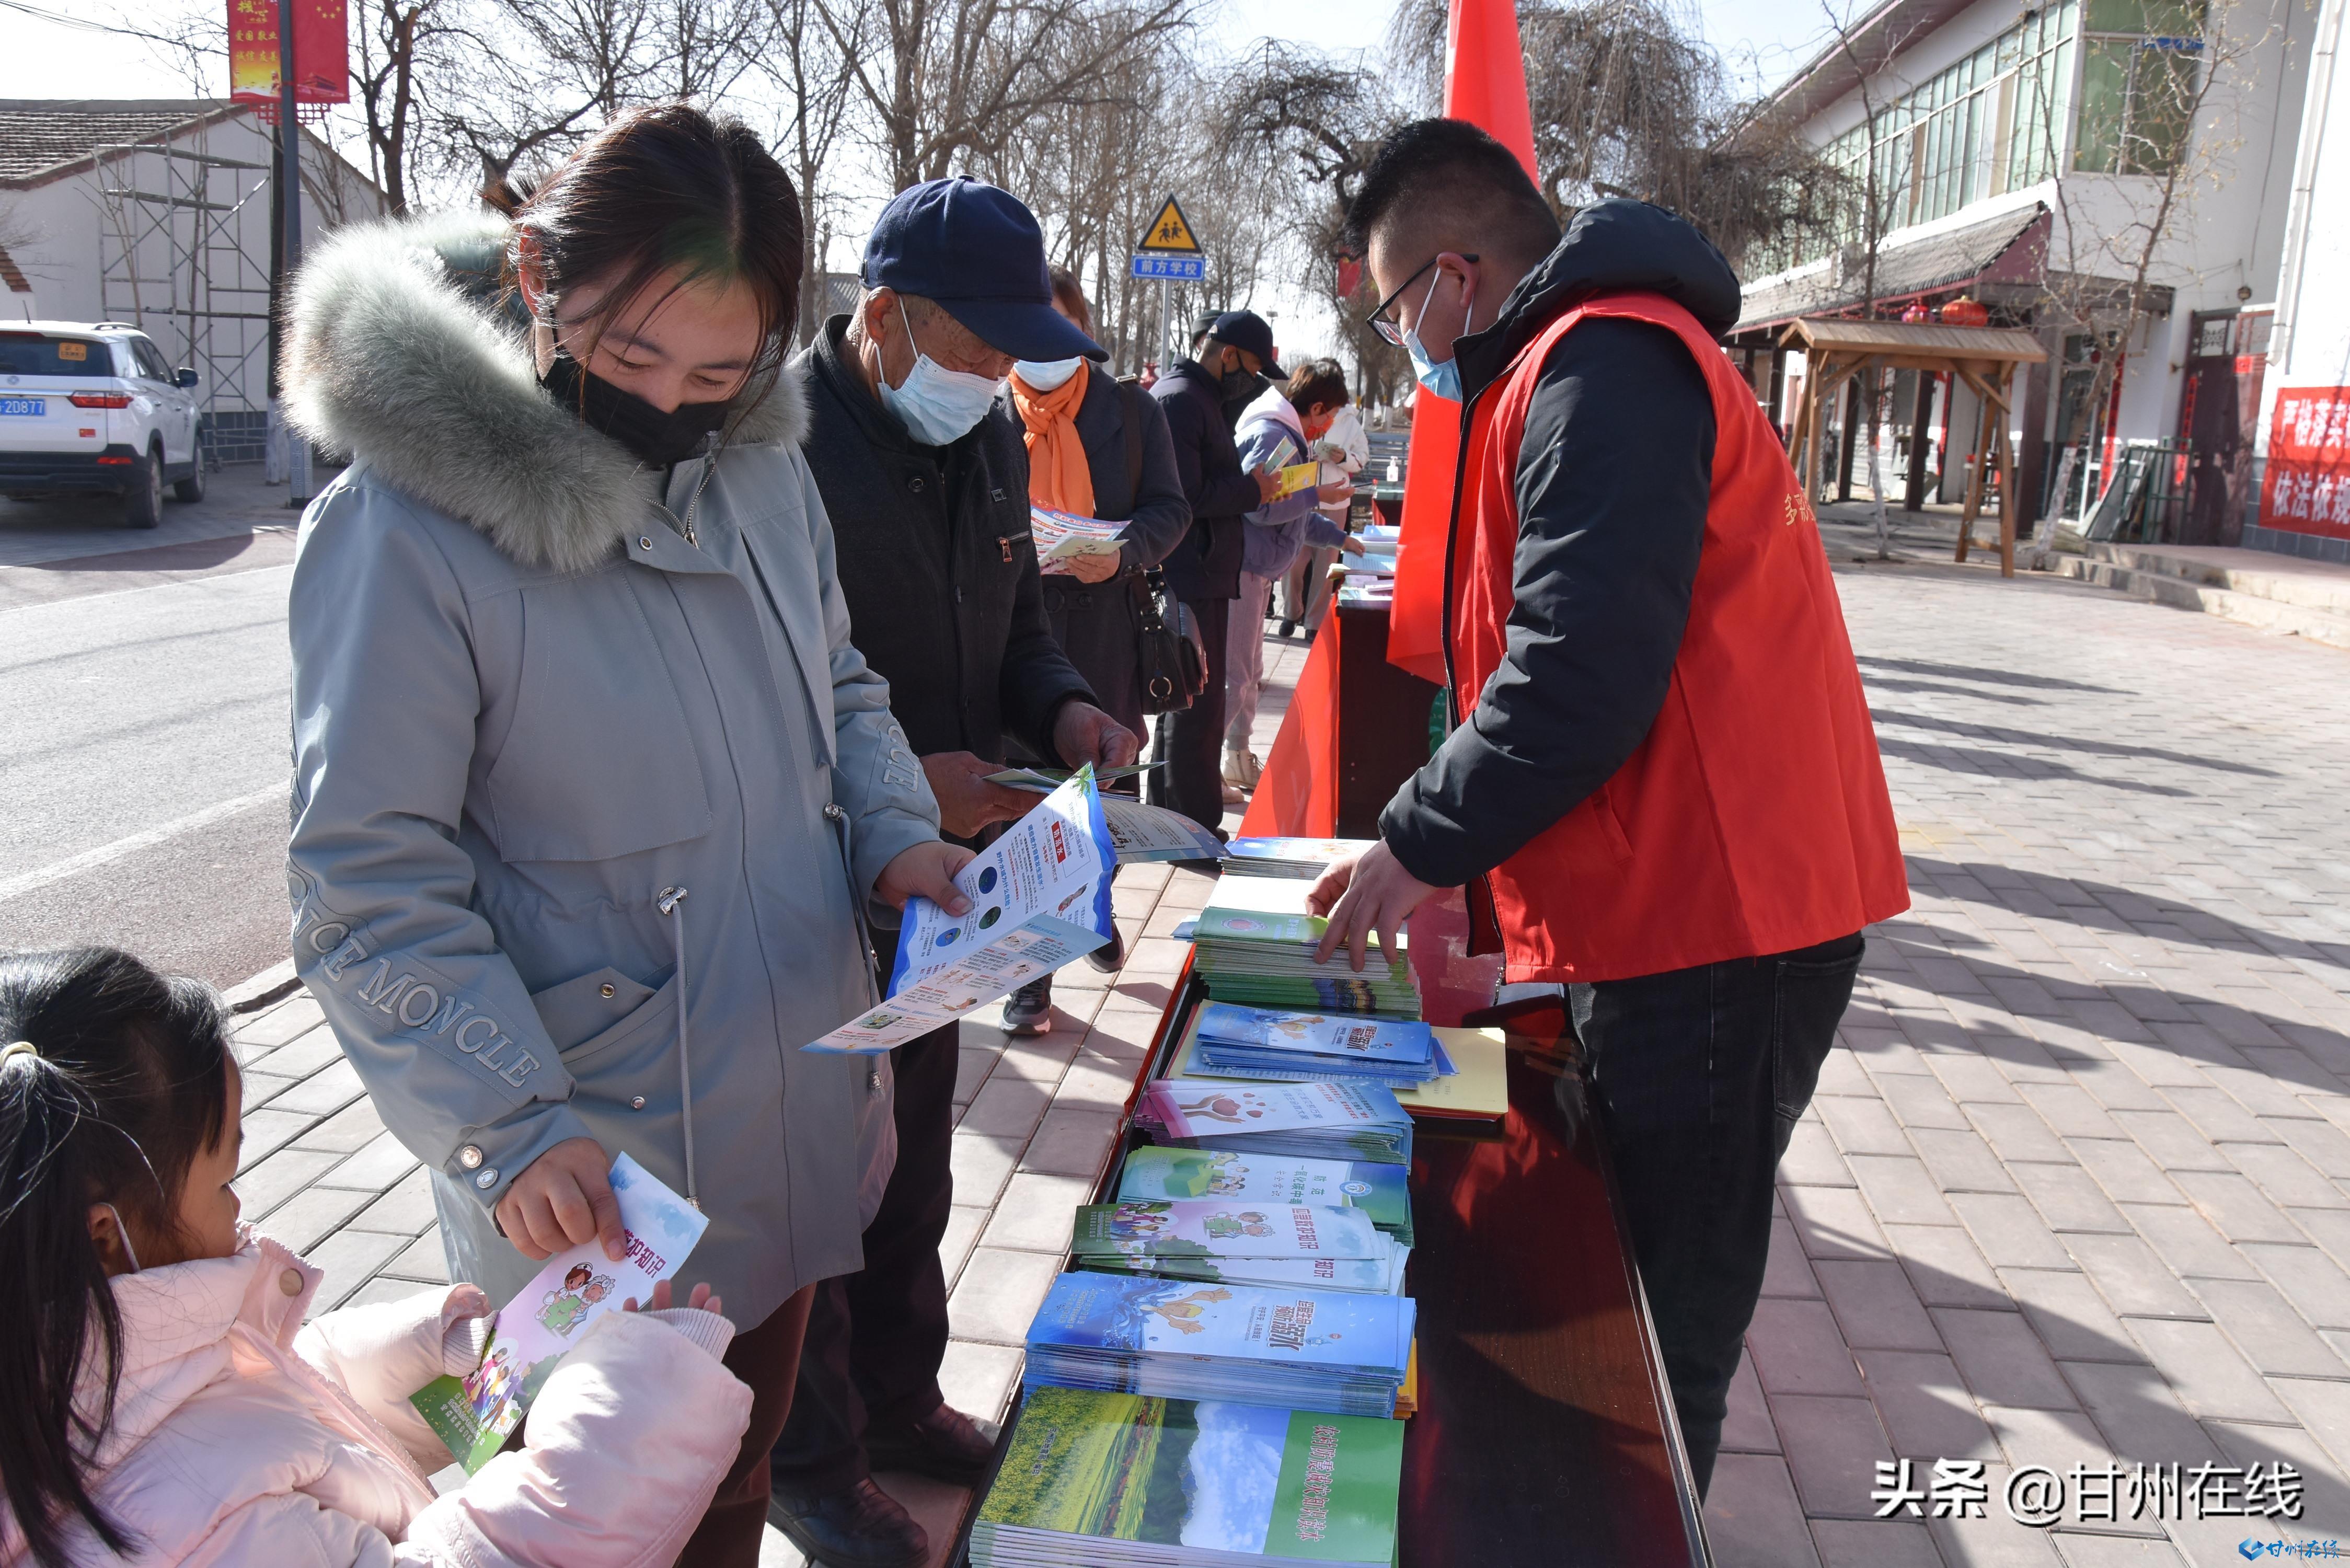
column 401, row 49
column 943, row 80
column 814, row 76
column 2105, row 287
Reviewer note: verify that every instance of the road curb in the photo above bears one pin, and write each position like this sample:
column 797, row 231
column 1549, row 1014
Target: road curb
column 272, row 984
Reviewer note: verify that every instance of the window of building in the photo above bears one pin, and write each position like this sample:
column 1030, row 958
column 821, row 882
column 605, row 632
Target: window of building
column 2138, row 88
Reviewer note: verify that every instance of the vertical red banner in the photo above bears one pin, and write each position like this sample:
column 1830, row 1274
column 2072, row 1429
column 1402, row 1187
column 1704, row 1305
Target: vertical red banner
column 322, row 70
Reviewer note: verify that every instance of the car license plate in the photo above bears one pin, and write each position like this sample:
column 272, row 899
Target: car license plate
column 33, row 407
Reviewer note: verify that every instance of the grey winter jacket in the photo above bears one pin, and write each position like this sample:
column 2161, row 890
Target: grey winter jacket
column 527, row 707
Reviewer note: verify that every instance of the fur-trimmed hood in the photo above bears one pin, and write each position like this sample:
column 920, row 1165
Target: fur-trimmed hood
column 398, row 353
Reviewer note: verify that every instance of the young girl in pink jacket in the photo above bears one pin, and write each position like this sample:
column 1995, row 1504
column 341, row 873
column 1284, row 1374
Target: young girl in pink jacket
column 162, row 1401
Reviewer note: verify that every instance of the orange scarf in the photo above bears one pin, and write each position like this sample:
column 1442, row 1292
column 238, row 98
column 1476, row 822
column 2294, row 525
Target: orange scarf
column 1058, row 474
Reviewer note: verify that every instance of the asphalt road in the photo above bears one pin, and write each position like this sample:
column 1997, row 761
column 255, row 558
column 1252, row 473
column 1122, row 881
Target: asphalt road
column 144, row 765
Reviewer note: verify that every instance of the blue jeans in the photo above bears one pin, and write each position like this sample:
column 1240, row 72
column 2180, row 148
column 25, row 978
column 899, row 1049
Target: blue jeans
column 1698, row 1076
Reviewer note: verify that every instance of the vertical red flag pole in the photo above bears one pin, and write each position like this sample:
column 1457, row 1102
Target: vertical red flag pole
column 1485, row 84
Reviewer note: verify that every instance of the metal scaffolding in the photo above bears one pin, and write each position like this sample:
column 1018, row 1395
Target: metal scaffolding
column 174, row 264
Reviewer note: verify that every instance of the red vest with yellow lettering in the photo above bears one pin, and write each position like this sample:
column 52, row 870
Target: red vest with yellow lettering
column 1753, row 819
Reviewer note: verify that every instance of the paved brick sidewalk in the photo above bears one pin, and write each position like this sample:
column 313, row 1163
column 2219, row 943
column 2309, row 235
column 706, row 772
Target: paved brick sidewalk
column 2075, row 1188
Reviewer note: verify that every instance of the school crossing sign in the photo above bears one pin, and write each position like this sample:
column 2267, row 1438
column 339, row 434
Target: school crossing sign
column 1169, row 248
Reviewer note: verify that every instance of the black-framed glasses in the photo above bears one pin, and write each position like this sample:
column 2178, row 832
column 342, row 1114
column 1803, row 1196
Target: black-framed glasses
column 1386, row 326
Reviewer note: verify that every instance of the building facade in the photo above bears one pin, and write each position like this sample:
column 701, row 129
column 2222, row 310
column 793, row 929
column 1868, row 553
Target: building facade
column 2054, row 164
column 159, row 213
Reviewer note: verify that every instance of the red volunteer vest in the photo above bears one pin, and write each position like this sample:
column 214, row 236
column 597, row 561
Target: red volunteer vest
column 1753, row 819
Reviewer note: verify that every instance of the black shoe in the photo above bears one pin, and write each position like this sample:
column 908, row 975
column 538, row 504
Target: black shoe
column 861, row 1527
column 1029, row 1010
column 945, row 1444
column 1108, row 957
column 1288, row 628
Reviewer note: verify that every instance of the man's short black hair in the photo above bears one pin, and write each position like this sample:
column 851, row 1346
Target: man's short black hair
column 1450, row 177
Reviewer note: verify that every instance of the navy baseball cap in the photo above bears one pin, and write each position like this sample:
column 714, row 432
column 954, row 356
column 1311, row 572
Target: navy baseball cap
column 976, row 251
column 1247, row 329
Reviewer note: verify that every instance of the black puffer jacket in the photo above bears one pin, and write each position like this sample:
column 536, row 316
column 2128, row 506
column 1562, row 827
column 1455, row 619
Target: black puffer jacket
column 938, row 564
column 1613, row 481
column 1207, row 565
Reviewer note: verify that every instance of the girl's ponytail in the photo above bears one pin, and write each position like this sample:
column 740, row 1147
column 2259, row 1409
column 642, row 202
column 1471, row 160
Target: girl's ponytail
column 112, row 1079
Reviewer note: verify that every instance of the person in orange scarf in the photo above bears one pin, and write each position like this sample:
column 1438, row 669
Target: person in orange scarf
column 1097, row 447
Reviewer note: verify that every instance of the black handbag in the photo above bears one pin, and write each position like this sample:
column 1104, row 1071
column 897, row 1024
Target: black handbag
column 1172, row 665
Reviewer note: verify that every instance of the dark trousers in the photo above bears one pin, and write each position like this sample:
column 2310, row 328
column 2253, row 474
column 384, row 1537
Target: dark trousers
column 1191, row 742
column 1698, row 1076
column 768, row 1359
column 876, row 1337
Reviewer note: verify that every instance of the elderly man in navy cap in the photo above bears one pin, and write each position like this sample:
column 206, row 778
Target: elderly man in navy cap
column 924, row 471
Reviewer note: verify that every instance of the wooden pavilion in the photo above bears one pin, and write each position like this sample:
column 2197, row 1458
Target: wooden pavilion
column 1982, row 357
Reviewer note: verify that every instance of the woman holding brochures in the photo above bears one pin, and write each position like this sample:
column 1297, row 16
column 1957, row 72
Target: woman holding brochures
column 593, row 794
column 1097, row 447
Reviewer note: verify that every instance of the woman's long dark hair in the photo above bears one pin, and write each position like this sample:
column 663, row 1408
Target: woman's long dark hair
column 669, row 187
column 126, row 1082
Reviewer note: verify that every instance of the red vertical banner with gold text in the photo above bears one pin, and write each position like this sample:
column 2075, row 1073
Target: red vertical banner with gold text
column 322, row 70
column 2305, row 483
column 1485, row 84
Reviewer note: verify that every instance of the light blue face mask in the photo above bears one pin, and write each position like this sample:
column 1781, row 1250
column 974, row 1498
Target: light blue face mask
column 936, row 405
column 1440, row 376
column 1047, row 375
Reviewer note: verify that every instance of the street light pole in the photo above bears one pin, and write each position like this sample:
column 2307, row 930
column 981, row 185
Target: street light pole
column 289, row 177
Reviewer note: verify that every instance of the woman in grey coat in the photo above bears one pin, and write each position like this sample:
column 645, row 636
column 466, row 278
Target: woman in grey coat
column 592, row 790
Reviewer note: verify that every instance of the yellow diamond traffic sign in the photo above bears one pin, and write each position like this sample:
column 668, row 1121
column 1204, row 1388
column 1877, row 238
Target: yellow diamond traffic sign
column 1169, row 232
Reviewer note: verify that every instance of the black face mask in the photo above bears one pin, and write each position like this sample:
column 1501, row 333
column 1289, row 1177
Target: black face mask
column 658, row 438
column 1235, row 385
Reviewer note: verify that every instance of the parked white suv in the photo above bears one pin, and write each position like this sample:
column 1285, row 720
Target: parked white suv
column 91, row 408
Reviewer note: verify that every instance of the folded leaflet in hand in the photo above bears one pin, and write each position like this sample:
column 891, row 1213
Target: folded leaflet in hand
column 1039, row 897
column 475, row 1413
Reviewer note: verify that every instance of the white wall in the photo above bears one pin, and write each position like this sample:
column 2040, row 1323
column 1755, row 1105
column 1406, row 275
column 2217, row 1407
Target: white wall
column 65, row 258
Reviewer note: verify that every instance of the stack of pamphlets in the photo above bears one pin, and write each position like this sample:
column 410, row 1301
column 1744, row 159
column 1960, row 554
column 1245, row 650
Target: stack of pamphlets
column 1184, row 1339
column 1255, row 944
column 475, row 1413
column 1039, row 897
column 1238, row 1042
column 1307, row 857
column 1118, row 1479
column 1319, row 1121
column 1061, row 536
column 1287, row 1246
column 1045, row 781
column 1477, row 1090
column 1158, row 1170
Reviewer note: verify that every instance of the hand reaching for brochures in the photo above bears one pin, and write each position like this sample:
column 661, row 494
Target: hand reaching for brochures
column 967, row 802
column 1362, row 894
column 1083, row 733
column 664, row 1299
column 927, row 870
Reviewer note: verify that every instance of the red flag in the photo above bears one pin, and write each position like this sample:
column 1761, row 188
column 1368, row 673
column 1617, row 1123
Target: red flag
column 1485, row 84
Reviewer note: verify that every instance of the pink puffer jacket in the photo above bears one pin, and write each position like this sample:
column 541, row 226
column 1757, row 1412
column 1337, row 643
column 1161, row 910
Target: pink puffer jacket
column 241, row 1436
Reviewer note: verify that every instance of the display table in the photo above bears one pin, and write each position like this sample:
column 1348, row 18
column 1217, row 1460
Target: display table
column 1544, row 1436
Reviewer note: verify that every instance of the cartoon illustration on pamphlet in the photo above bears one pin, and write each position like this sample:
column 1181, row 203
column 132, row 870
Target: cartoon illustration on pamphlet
column 1183, row 1314
column 1249, row 1222
column 475, row 1414
column 1221, row 1108
column 564, row 1308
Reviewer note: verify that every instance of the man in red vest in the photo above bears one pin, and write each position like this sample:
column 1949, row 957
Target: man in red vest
column 1660, row 788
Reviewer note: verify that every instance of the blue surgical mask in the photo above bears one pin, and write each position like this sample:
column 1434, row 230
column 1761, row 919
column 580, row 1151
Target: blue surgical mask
column 937, row 406
column 1047, row 375
column 1440, row 376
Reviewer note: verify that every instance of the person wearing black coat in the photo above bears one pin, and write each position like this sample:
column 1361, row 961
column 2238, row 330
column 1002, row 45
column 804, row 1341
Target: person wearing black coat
column 1205, row 570
column 924, row 472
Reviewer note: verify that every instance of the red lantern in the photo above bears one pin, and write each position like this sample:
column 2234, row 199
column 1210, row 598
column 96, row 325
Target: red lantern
column 1965, row 312
column 1916, row 312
